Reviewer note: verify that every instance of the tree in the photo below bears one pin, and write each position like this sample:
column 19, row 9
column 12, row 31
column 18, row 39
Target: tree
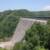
column 37, row 35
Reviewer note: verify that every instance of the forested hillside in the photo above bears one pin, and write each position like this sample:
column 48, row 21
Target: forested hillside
column 7, row 26
column 37, row 37
column 10, row 18
column 26, row 13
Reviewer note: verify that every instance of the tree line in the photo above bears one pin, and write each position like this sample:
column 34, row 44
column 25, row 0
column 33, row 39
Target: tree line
column 26, row 13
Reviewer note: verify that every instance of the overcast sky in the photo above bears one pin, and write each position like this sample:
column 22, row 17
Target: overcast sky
column 32, row 5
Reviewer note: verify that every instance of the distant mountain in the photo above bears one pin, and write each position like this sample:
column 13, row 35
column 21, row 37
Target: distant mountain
column 26, row 13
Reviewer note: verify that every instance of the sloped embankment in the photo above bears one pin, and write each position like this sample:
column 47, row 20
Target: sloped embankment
column 24, row 24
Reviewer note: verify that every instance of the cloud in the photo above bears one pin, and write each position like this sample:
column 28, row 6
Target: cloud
column 46, row 8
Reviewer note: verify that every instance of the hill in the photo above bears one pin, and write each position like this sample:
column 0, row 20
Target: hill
column 10, row 18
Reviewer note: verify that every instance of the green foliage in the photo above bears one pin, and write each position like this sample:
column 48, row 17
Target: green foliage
column 7, row 26
column 25, row 13
column 2, row 49
column 18, row 46
column 39, row 48
column 48, row 22
column 37, row 35
column 36, row 38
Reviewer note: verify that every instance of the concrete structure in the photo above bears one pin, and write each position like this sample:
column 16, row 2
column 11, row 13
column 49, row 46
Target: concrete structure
column 23, row 25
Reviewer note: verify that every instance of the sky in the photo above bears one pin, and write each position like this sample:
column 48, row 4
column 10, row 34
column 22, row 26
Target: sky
column 32, row 5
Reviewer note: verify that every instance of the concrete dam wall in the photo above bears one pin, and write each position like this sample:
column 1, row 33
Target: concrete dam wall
column 23, row 25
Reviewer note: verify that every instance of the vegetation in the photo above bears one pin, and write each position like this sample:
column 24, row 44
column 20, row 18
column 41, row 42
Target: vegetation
column 7, row 26
column 25, row 13
column 36, row 38
column 9, row 19
column 2, row 49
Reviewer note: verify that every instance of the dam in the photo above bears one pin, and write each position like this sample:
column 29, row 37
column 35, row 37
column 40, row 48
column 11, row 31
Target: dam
column 19, row 33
